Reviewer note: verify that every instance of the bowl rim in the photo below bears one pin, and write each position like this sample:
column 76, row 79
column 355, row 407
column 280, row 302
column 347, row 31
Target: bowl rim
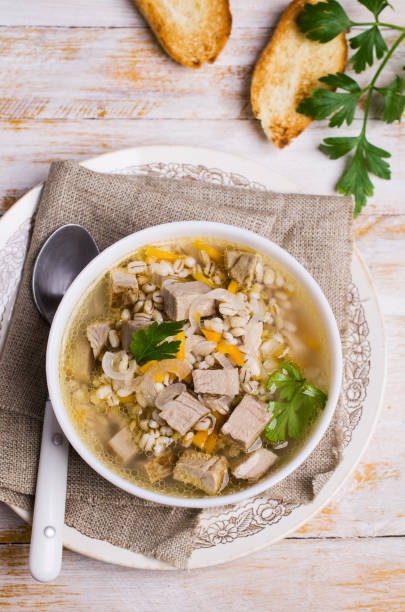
column 115, row 253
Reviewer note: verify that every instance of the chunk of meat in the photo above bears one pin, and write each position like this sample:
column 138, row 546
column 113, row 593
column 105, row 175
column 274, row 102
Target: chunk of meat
column 201, row 470
column 160, row 467
column 178, row 298
column 241, row 266
column 247, row 421
column 123, row 445
column 97, row 334
column 124, row 288
column 230, row 258
column 81, row 362
column 128, row 328
column 217, row 382
column 183, row 412
column 254, row 465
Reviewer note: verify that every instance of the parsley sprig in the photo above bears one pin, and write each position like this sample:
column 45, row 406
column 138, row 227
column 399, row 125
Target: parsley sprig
column 323, row 22
column 297, row 405
column 147, row 344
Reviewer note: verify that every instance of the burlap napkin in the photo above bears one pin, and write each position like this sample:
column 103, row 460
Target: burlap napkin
column 315, row 229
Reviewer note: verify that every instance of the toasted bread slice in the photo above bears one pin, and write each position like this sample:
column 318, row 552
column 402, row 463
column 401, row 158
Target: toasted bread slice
column 191, row 31
column 287, row 71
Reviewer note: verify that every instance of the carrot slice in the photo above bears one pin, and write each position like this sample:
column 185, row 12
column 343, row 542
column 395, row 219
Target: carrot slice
column 233, row 286
column 232, row 351
column 147, row 366
column 210, row 442
column 200, row 438
column 181, row 353
column 159, row 254
column 199, row 276
column 213, row 253
column 213, row 336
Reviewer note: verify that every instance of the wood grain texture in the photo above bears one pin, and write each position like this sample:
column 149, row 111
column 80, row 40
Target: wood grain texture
column 83, row 78
column 123, row 73
column 121, row 13
column 28, row 147
column 364, row 574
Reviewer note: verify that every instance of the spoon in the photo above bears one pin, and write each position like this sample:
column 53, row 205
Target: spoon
column 65, row 253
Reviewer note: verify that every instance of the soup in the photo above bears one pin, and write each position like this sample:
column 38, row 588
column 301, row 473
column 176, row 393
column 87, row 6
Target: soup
column 194, row 367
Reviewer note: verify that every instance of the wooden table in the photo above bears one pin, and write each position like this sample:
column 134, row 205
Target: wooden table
column 81, row 78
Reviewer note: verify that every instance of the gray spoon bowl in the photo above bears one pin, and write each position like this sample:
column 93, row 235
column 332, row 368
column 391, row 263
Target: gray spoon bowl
column 64, row 254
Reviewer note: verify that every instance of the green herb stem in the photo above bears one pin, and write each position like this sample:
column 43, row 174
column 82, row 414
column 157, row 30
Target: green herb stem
column 379, row 24
column 373, row 81
column 323, row 21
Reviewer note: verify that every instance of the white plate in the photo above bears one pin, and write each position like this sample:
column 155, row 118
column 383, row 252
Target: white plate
column 225, row 534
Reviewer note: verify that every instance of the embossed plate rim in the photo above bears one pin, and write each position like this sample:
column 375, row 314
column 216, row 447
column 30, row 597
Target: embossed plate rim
column 248, row 173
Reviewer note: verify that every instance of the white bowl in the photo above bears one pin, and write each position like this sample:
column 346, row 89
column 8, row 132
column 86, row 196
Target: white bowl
column 108, row 259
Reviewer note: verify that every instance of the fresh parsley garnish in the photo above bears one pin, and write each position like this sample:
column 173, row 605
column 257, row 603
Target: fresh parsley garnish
column 323, row 22
column 325, row 102
column 296, row 406
column 394, row 100
column 147, row 344
column 367, row 43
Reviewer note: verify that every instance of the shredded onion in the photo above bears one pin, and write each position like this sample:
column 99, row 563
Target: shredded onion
column 222, row 360
column 281, row 445
column 224, row 482
column 255, row 446
column 215, row 294
column 108, row 367
column 169, row 393
column 174, row 366
column 207, row 423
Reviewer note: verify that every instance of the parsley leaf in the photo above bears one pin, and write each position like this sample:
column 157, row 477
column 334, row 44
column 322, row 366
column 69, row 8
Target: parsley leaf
column 297, row 404
column 367, row 159
column 374, row 158
column 338, row 146
column 367, row 43
column 324, row 102
column 375, row 6
column 394, row 100
column 147, row 344
column 323, row 21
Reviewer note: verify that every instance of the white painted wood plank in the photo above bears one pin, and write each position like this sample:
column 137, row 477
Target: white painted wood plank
column 60, row 73
column 321, row 576
column 381, row 241
column 121, row 13
column 28, row 147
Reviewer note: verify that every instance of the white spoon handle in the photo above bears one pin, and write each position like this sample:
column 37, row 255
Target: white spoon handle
column 50, row 498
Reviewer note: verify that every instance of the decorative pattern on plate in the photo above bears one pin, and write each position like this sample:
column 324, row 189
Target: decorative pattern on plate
column 224, row 525
column 357, row 365
column 11, row 263
column 239, row 521
column 197, row 173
